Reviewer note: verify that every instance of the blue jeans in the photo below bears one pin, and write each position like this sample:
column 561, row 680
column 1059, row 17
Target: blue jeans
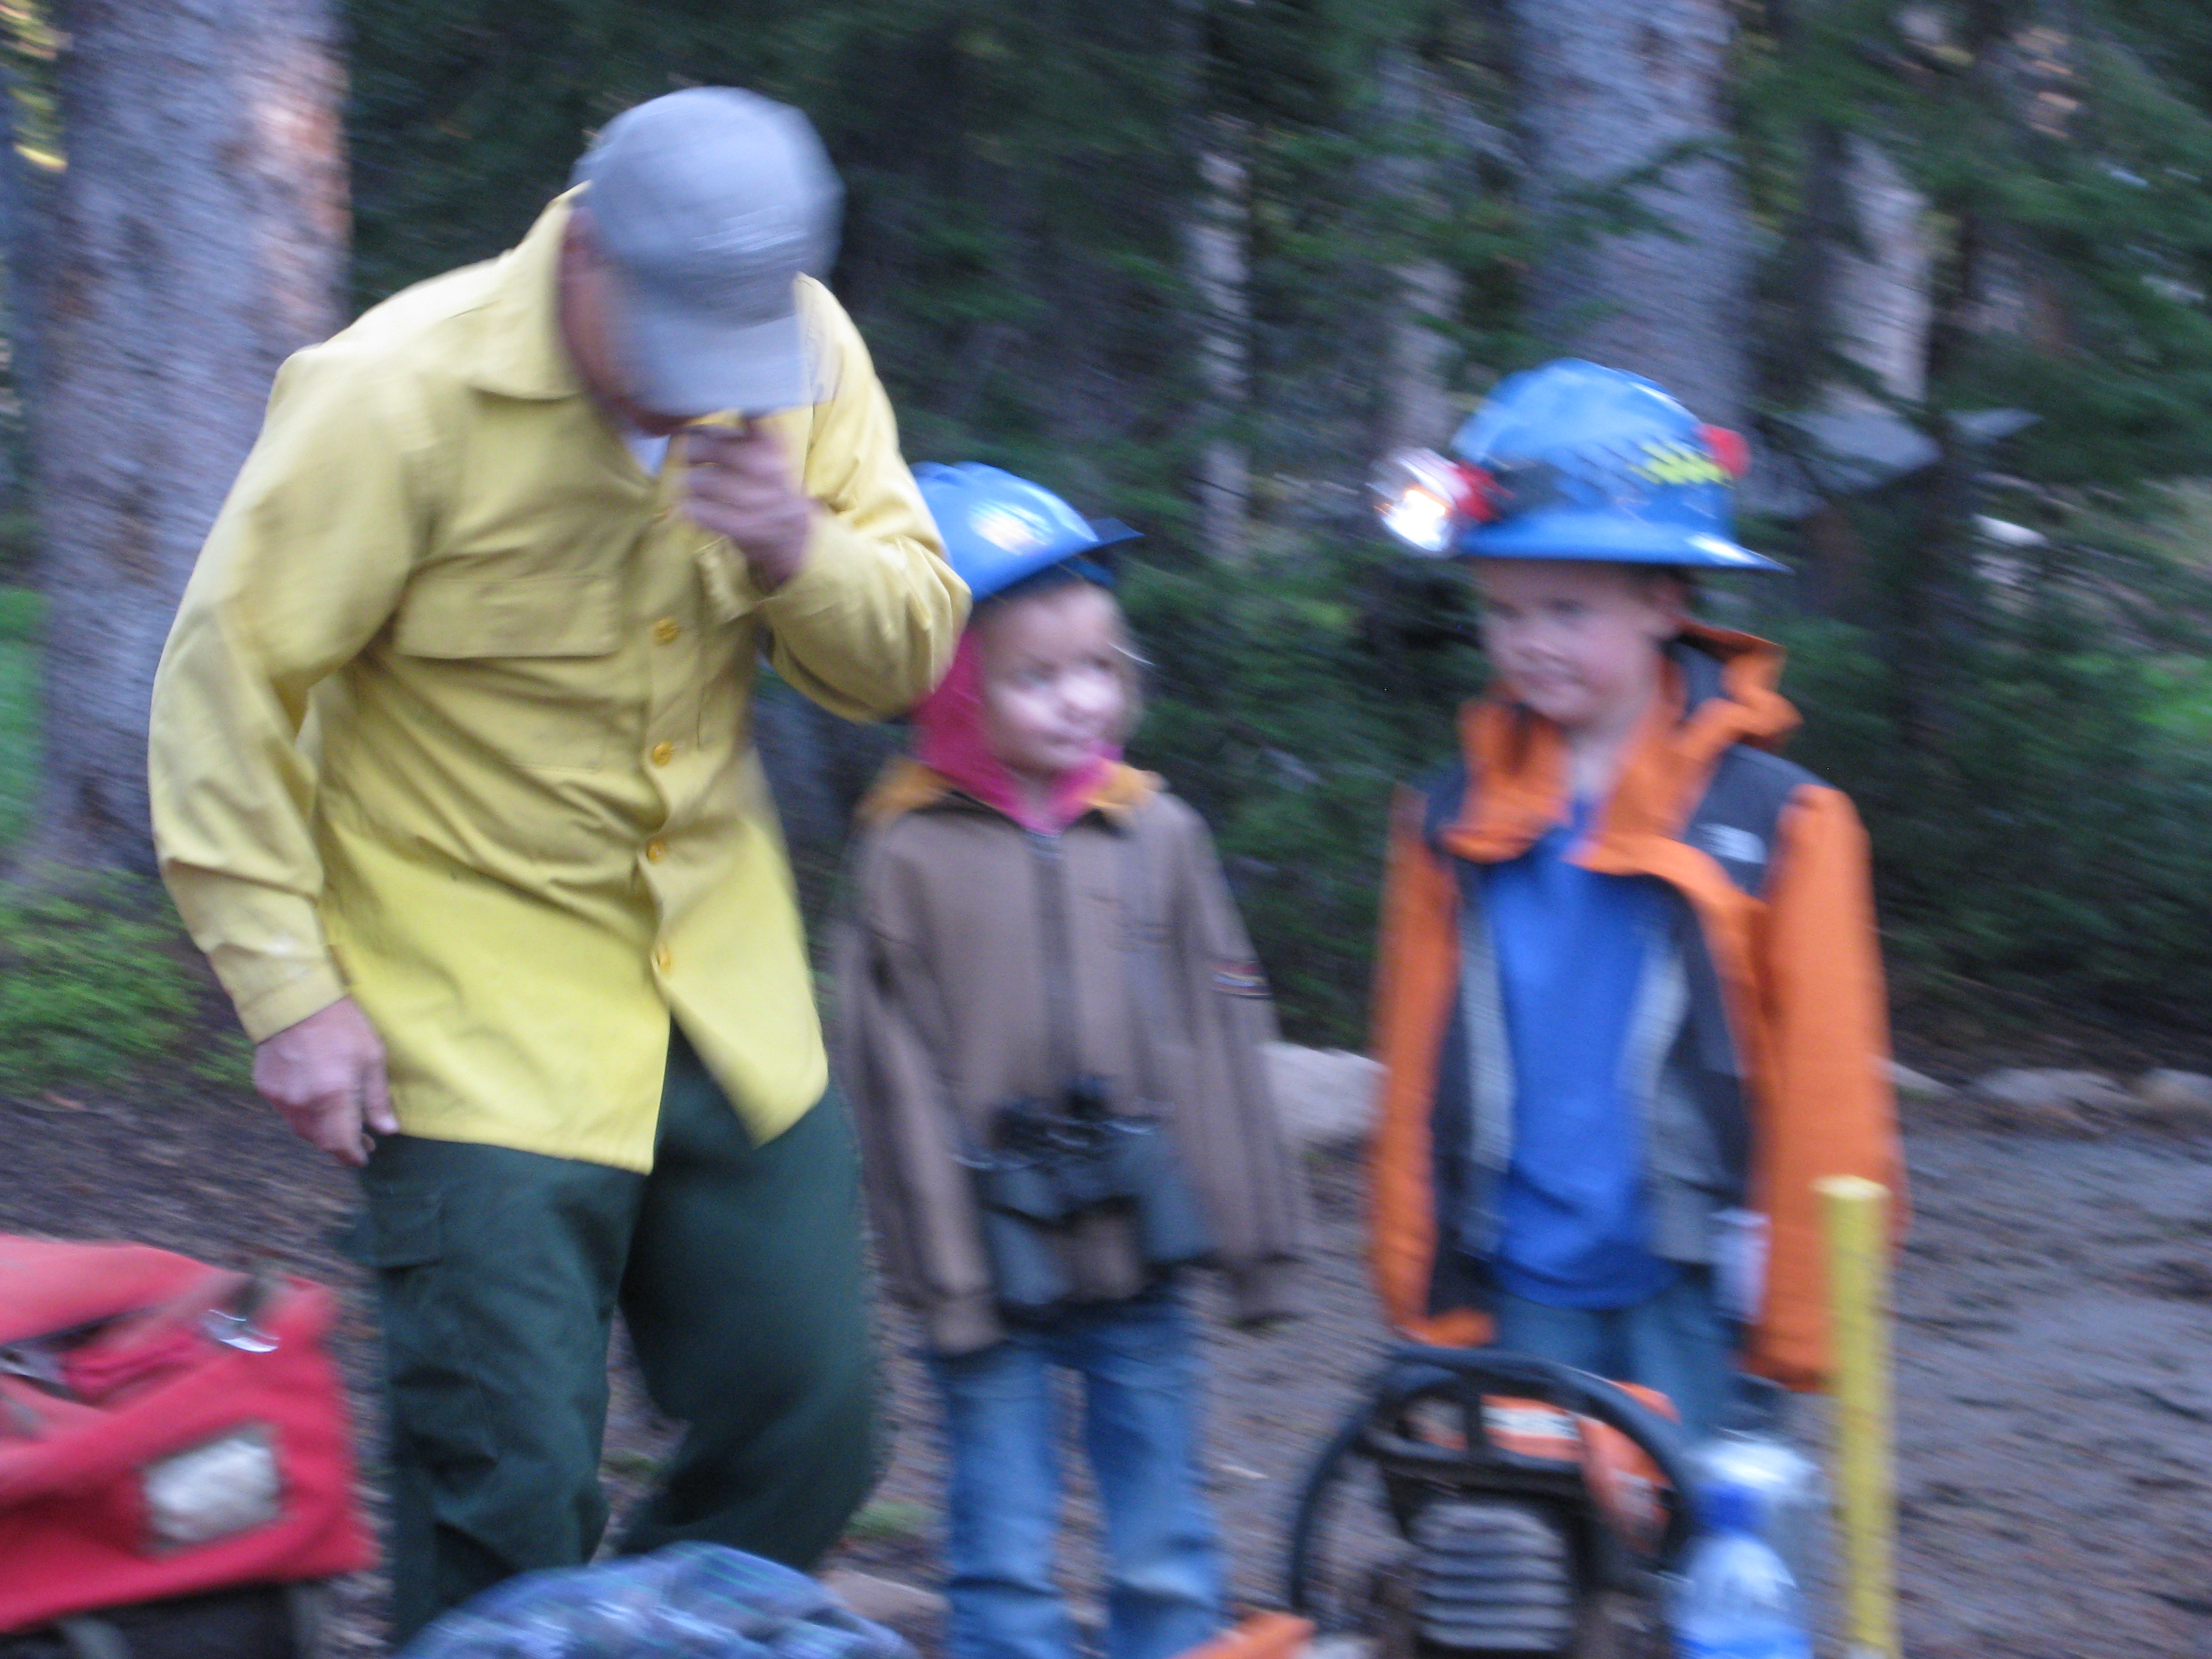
column 1677, row 1342
column 1003, row 1426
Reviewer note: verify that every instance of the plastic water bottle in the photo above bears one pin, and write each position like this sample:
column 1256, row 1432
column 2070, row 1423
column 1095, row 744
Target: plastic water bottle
column 1790, row 1497
column 1736, row 1599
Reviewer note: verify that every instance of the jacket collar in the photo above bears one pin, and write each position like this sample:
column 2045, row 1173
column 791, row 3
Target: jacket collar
column 519, row 351
column 1718, row 690
column 907, row 786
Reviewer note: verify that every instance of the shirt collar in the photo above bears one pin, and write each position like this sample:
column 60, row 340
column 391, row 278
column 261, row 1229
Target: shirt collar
column 520, row 353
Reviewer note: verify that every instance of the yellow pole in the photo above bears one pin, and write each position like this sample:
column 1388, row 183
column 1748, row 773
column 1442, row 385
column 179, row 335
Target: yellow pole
column 1857, row 1213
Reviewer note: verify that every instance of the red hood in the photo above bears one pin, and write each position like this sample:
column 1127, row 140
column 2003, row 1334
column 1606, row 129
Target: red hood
column 950, row 740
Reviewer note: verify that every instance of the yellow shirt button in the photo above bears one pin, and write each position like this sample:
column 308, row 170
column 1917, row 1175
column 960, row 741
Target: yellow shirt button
column 663, row 753
column 666, row 629
column 656, row 850
column 664, row 959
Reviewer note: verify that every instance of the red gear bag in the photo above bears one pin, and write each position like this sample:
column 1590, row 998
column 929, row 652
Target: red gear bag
column 165, row 1428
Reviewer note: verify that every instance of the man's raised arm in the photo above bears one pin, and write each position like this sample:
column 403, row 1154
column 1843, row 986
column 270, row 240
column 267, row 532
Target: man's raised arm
column 867, row 624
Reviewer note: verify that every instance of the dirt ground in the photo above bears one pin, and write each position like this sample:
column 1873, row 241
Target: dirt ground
column 2055, row 1399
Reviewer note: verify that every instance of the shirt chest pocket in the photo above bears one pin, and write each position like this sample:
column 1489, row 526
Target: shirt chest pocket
column 523, row 666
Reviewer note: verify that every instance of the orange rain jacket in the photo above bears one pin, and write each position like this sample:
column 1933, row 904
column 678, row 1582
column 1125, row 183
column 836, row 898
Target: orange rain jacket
column 1789, row 929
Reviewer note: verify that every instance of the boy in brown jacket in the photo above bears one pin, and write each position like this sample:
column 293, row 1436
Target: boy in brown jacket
column 1050, row 1024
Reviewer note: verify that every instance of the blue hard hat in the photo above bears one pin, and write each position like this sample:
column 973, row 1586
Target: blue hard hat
column 998, row 529
column 1582, row 461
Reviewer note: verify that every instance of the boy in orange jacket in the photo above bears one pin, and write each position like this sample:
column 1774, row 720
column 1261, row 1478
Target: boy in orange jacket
column 1629, row 999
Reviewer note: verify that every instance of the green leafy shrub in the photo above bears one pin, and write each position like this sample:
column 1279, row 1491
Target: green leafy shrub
column 18, row 546
column 1285, row 702
column 2055, row 841
column 92, row 987
column 889, row 1521
column 20, row 612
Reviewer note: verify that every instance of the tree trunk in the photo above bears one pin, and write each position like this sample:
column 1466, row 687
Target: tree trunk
column 1418, row 410
column 2030, row 69
column 1608, row 87
column 1417, row 407
column 1866, row 297
column 1881, row 294
column 1218, row 237
column 196, row 238
column 23, row 196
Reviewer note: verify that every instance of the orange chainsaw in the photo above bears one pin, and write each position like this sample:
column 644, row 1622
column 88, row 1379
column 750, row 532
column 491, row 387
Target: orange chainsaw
column 1524, row 1505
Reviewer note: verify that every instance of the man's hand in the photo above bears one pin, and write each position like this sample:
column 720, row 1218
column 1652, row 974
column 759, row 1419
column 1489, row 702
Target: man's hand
column 737, row 484
column 326, row 1076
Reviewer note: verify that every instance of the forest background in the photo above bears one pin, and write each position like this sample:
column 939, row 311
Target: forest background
column 1197, row 264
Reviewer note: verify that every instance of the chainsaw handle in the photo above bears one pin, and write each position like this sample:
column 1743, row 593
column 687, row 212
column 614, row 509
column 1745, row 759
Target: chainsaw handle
column 1473, row 1373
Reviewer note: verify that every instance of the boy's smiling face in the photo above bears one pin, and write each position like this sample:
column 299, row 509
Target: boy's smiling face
column 1578, row 641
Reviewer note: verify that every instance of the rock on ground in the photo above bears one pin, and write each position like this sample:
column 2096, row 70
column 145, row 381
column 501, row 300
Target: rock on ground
column 885, row 1600
column 2182, row 1099
column 2046, row 1098
column 1325, row 1096
column 1911, row 1085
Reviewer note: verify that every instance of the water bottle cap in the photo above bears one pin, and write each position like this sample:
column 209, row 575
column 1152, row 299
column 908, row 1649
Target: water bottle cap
column 1723, row 1506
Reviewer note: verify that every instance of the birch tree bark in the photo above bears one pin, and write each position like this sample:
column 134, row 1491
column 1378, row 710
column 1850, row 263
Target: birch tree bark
column 1883, row 299
column 1609, row 87
column 195, row 237
column 1218, row 237
column 1417, row 409
column 1862, row 288
column 22, row 216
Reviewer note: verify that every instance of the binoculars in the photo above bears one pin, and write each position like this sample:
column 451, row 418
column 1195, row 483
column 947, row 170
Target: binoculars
column 1049, row 1167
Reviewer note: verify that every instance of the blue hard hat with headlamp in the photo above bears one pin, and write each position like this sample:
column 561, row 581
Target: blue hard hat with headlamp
column 999, row 530
column 1575, row 461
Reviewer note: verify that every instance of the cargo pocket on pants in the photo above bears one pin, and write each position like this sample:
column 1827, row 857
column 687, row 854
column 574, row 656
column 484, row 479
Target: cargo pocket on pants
column 438, row 1419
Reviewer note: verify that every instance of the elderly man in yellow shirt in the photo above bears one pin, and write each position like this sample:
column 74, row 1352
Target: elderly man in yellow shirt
column 453, row 783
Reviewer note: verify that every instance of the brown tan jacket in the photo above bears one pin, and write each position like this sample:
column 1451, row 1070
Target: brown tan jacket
column 982, row 964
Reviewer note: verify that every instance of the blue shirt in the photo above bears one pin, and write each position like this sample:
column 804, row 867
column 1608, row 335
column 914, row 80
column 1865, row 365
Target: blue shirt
column 1572, row 946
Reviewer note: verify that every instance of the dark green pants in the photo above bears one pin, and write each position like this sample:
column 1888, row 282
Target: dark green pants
column 738, row 1270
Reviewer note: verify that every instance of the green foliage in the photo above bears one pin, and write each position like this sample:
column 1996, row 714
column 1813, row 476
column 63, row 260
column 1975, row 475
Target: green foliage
column 96, row 983
column 627, row 1465
column 19, row 533
column 1006, row 166
column 2056, row 840
column 1284, row 703
column 29, row 42
column 2180, row 689
column 20, row 611
column 2015, row 724
column 888, row 1521
column 1022, row 181
column 1021, row 184
column 92, row 987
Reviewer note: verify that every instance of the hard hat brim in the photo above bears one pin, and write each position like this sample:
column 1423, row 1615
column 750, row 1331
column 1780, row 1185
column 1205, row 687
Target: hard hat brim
column 1607, row 539
column 1104, row 532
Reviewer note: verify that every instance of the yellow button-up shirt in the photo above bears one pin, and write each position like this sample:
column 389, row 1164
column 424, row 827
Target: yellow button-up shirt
column 453, row 719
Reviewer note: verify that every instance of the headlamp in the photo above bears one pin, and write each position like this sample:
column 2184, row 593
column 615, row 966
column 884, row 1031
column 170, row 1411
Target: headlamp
column 1426, row 500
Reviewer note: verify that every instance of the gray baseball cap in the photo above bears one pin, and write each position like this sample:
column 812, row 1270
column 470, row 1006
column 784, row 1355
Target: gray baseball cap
column 709, row 203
